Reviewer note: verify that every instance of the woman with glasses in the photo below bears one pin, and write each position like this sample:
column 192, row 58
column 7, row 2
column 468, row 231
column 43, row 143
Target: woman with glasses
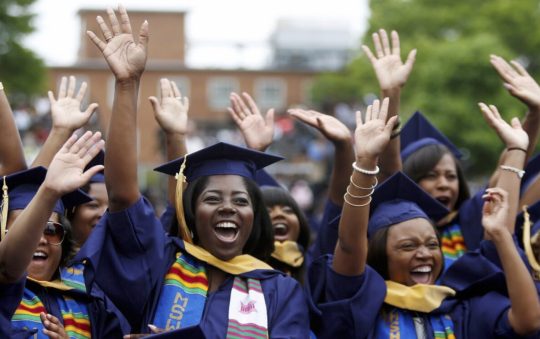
column 36, row 239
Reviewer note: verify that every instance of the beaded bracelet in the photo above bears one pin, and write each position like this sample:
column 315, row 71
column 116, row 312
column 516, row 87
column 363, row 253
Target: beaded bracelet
column 360, row 196
column 355, row 205
column 364, row 171
column 365, row 188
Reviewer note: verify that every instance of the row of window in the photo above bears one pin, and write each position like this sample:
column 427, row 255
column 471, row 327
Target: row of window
column 267, row 92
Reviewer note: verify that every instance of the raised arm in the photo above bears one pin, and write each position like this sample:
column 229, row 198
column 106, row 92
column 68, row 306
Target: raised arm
column 523, row 87
column 524, row 313
column 516, row 142
column 65, row 174
column 392, row 75
column 171, row 113
column 66, row 116
column 11, row 151
column 371, row 137
column 126, row 59
column 258, row 131
column 340, row 136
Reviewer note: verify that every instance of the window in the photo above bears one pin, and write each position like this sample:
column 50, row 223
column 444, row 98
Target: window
column 219, row 91
column 271, row 93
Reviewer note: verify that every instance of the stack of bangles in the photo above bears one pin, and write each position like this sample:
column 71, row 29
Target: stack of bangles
column 357, row 187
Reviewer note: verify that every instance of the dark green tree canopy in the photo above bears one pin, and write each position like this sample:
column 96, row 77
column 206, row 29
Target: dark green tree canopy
column 452, row 72
column 21, row 71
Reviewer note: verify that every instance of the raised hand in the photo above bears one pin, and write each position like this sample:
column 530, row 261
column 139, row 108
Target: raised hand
column 495, row 212
column 512, row 135
column 517, row 81
column 258, row 131
column 372, row 133
column 66, row 171
column 171, row 111
column 125, row 57
column 53, row 327
column 332, row 129
column 66, row 109
column 391, row 72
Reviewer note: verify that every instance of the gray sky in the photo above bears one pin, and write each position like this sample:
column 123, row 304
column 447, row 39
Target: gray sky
column 212, row 26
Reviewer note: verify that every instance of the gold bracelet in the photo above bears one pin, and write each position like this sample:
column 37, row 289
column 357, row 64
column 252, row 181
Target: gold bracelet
column 360, row 196
column 365, row 188
column 354, row 205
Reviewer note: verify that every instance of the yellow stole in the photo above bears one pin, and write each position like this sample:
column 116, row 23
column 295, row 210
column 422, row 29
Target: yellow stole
column 287, row 252
column 420, row 297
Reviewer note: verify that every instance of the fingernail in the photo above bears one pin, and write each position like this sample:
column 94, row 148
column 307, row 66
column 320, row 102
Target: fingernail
column 152, row 327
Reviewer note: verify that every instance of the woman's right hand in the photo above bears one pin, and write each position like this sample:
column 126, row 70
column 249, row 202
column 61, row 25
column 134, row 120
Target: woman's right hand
column 372, row 133
column 513, row 135
column 53, row 328
column 171, row 111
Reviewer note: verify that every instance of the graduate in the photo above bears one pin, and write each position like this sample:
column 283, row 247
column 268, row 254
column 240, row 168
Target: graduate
column 36, row 301
column 396, row 276
column 11, row 148
column 211, row 275
column 430, row 159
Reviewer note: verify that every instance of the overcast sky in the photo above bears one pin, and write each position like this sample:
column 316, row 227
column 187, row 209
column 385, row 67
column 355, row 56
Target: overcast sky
column 210, row 24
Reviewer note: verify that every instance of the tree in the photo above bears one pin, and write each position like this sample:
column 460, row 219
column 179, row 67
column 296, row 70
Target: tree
column 452, row 72
column 21, row 71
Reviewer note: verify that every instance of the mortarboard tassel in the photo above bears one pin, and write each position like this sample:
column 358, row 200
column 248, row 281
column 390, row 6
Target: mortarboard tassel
column 527, row 244
column 5, row 205
column 183, row 230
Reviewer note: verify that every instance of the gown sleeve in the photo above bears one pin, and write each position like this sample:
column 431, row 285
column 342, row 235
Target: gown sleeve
column 343, row 306
column 124, row 256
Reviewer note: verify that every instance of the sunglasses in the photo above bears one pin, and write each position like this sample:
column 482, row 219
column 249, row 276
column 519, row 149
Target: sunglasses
column 54, row 232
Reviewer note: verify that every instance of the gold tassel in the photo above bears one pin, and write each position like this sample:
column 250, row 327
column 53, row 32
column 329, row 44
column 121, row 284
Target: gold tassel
column 183, row 230
column 5, row 205
column 527, row 244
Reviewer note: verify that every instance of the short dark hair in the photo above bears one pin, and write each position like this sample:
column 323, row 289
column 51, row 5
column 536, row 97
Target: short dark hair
column 69, row 248
column 260, row 243
column 421, row 162
column 279, row 196
column 378, row 256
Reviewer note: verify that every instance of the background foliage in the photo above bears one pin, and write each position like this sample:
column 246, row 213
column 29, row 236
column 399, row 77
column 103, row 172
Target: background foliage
column 452, row 72
column 21, row 71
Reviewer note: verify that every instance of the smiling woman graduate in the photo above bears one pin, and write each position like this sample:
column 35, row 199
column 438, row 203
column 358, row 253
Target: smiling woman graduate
column 396, row 273
column 214, row 276
column 39, row 303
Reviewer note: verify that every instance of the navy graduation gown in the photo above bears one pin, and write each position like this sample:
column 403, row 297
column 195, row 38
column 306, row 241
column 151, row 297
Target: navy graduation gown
column 128, row 255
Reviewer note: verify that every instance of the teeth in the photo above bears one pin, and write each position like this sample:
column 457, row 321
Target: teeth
column 40, row 255
column 226, row 224
column 422, row 269
column 280, row 227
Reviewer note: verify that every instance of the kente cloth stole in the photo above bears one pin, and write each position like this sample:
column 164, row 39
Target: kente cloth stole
column 182, row 298
column 74, row 316
column 395, row 323
column 453, row 244
column 73, row 276
column 288, row 252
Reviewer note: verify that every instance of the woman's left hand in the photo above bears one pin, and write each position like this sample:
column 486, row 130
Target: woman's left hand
column 53, row 327
column 512, row 136
column 372, row 133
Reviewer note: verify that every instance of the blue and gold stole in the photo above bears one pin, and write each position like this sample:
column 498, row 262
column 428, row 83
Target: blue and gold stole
column 74, row 314
column 404, row 303
column 73, row 276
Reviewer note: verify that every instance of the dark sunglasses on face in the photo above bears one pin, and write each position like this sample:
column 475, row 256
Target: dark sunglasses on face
column 54, row 232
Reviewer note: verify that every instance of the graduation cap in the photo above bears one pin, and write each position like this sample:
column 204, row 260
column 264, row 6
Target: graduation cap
column 418, row 132
column 19, row 188
column 218, row 159
column 263, row 178
column 99, row 159
column 400, row 199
